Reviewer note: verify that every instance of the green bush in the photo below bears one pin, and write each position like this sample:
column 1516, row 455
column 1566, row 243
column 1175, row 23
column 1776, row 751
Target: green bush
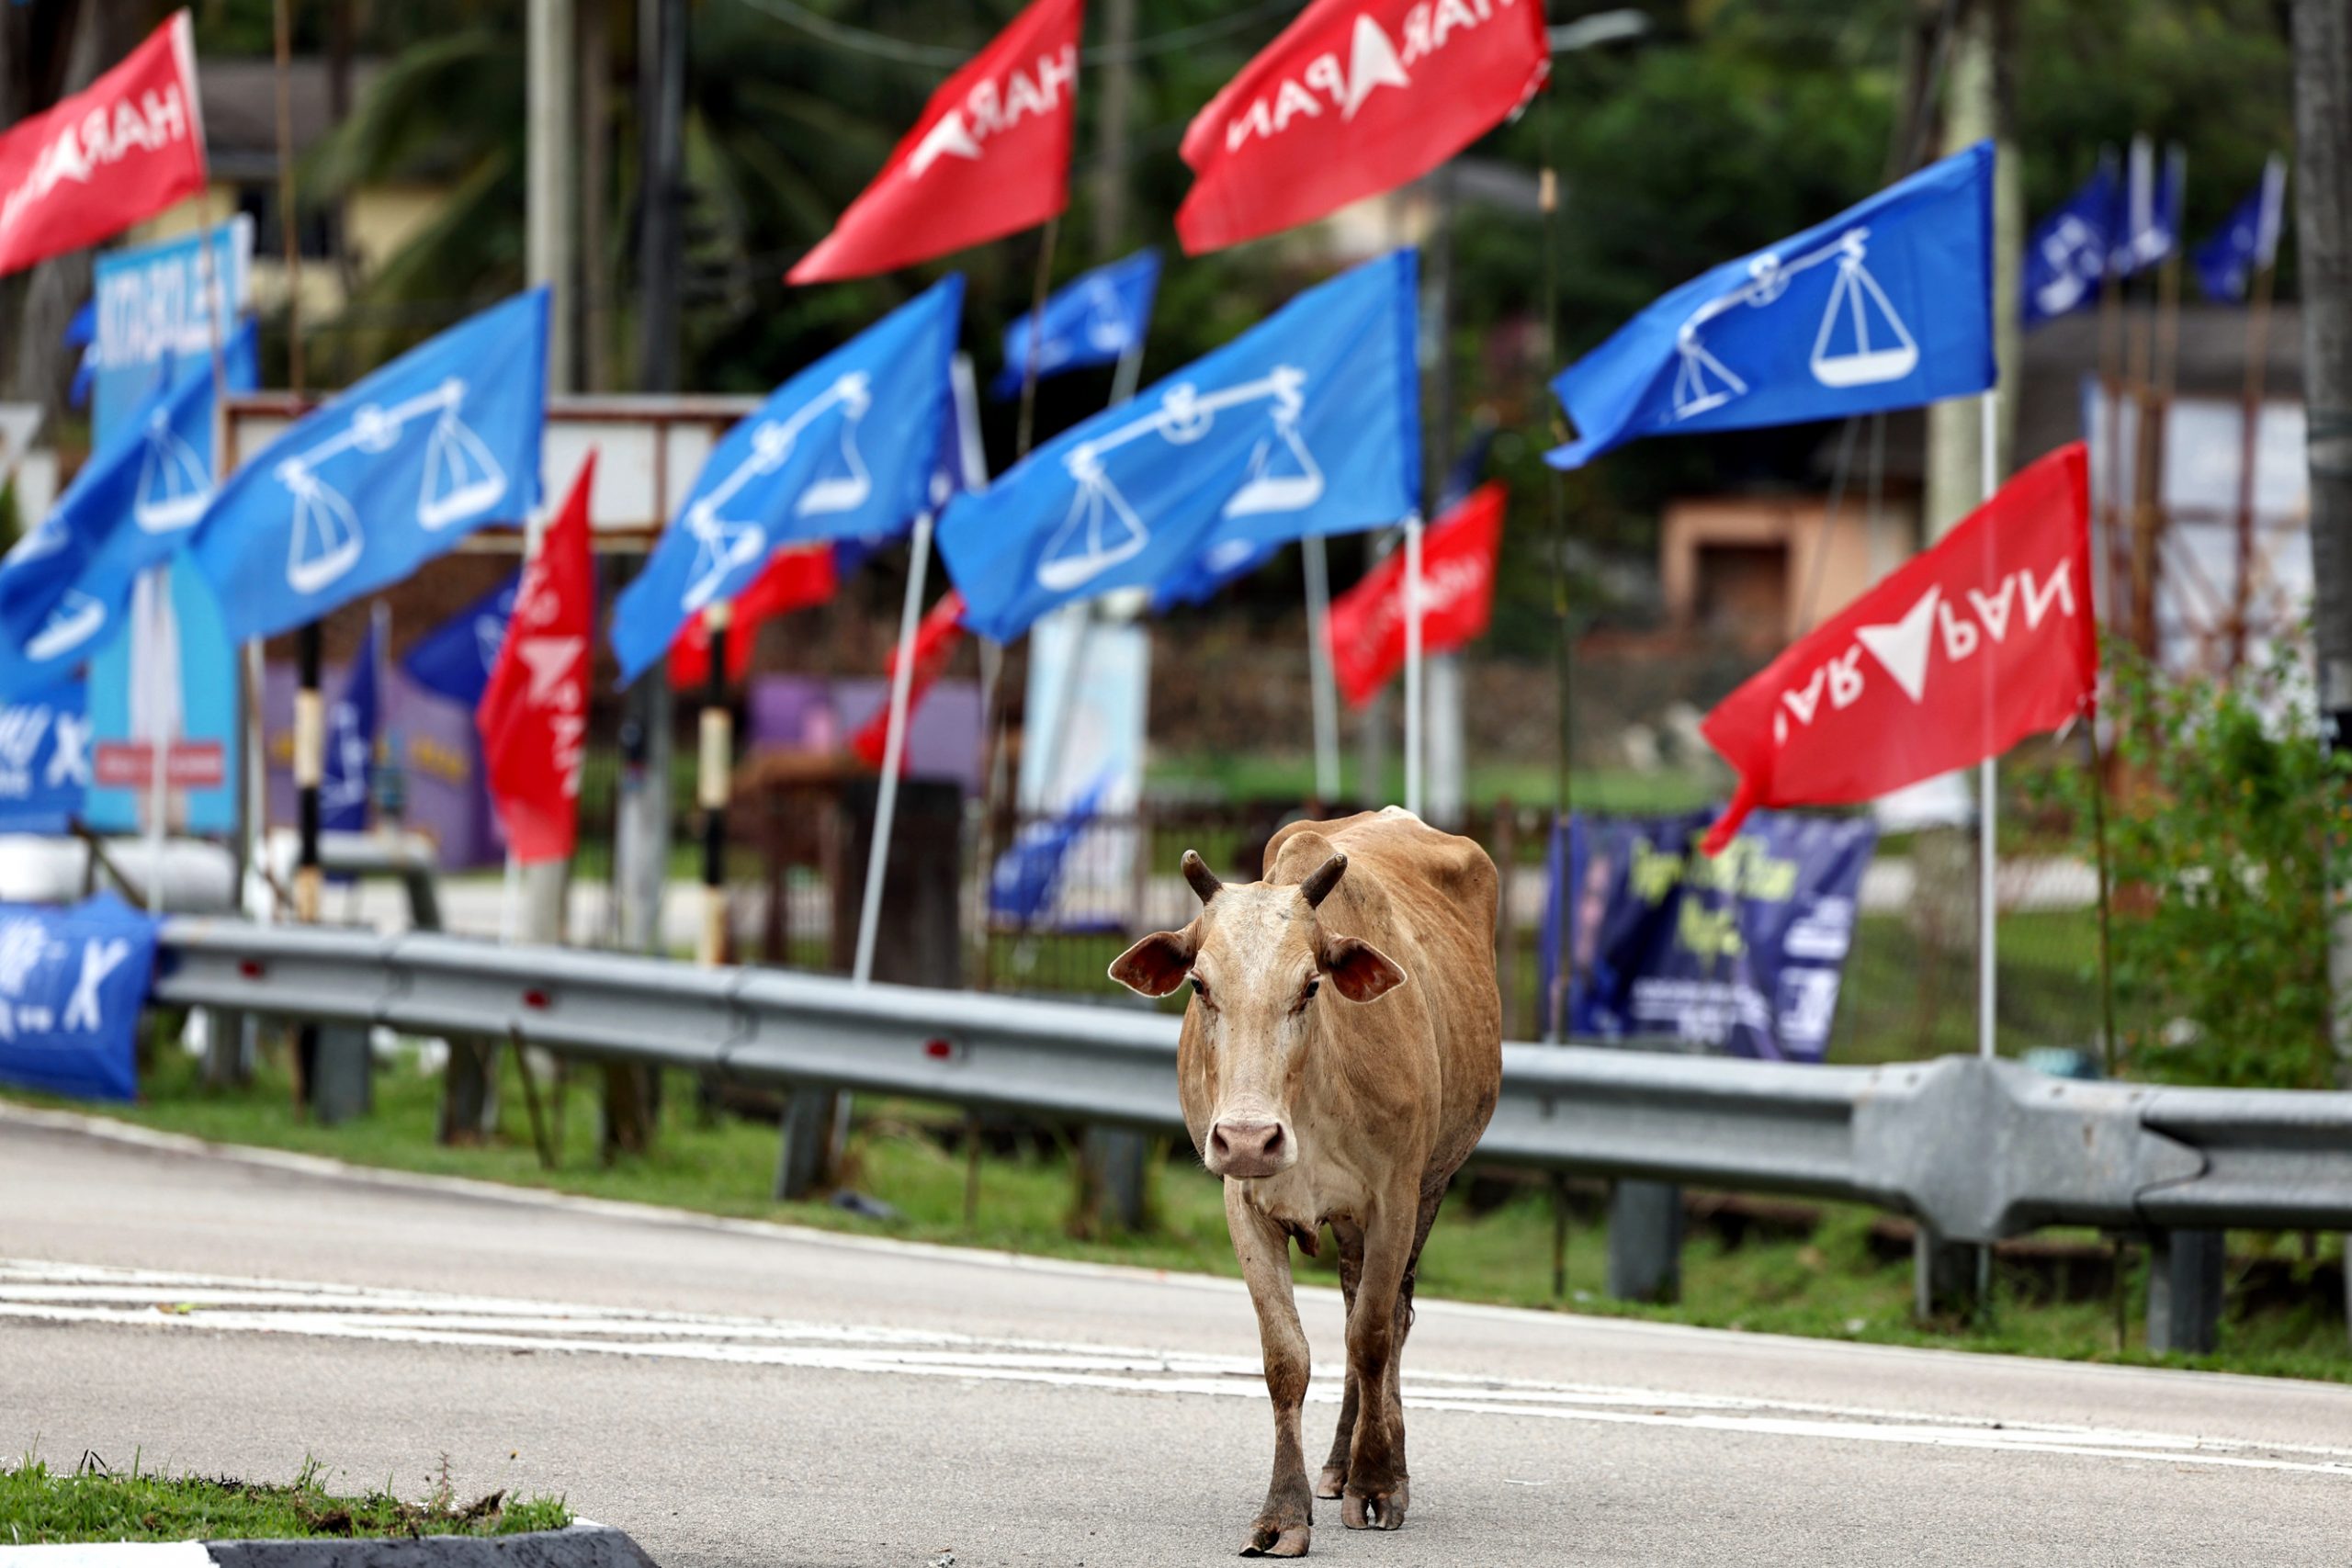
column 2226, row 828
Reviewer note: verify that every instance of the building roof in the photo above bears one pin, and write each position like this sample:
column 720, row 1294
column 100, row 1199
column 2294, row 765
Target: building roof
column 241, row 109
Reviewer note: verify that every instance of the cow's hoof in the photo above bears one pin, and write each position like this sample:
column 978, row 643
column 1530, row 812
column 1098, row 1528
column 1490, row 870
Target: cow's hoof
column 1270, row 1539
column 1375, row 1509
column 1332, row 1483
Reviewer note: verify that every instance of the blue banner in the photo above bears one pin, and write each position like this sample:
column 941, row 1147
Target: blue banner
column 2248, row 242
column 184, row 667
column 152, row 305
column 393, row 472
column 809, row 464
column 1095, row 319
column 72, row 983
column 350, row 761
column 2066, row 255
column 1028, row 876
column 1308, row 423
column 2148, row 228
column 66, row 585
column 454, row 660
column 1888, row 305
column 1742, row 953
column 45, row 759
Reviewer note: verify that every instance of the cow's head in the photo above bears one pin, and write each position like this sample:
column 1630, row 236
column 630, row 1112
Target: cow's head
column 1264, row 975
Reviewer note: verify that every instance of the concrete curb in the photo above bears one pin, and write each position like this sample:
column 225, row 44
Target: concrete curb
column 583, row 1545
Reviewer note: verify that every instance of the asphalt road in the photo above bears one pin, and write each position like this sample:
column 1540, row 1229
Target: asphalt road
column 741, row 1394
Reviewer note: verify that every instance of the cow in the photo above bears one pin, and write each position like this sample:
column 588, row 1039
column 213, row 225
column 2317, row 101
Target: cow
column 1340, row 1058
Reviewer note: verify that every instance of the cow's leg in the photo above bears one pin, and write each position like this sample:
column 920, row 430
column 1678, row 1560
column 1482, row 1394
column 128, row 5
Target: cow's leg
column 1375, row 1495
column 1333, row 1482
column 1424, row 1219
column 1283, row 1525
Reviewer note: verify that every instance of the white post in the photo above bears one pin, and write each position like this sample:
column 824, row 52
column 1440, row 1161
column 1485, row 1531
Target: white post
column 1318, row 670
column 159, row 736
column 510, row 906
column 1128, row 372
column 894, row 747
column 1986, row 784
column 1413, row 664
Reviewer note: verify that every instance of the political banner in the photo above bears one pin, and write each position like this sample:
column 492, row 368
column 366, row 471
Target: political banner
column 1095, row 319
column 152, row 306
column 1888, row 305
column 1309, row 422
column 391, row 472
column 809, row 463
column 174, row 678
column 73, row 982
column 2248, row 242
column 797, row 576
column 89, row 167
column 2066, row 255
column 454, row 659
column 429, row 739
column 1366, row 628
column 989, row 156
column 347, row 766
column 1741, row 953
column 45, row 759
column 533, row 716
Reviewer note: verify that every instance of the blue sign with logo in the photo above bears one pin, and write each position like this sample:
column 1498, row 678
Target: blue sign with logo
column 1308, row 423
column 1888, row 305
column 152, row 304
column 852, row 448
column 1743, row 951
column 45, row 759
column 389, row 474
column 72, row 983
column 1096, row 318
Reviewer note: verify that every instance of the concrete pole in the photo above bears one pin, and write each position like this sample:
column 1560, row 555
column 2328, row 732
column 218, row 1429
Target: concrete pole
column 550, row 220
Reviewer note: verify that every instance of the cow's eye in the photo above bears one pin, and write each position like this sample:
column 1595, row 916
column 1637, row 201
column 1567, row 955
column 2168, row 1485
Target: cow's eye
column 1312, row 986
column 1200, row 986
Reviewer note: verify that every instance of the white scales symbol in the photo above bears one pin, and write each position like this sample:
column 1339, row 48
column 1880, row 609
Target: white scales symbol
column 1860, row 357
column 722, row 545
column 174, row 486
column 1102, row 530
column 74, row 622
column 461, row 479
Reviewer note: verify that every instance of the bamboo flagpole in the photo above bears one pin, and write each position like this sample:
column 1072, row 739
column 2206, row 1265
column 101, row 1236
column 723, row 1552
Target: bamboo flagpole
column 894, row 750
column 1415, row 731
column 1315, row 562
column 1989, row 780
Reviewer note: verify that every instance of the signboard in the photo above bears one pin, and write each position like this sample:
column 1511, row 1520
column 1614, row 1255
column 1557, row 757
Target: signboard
column 1742, row 953
column 45, row 759
column 189, row 695
column 433, row 742
column 153, row 303
column 1082, row 758
column 72, row 983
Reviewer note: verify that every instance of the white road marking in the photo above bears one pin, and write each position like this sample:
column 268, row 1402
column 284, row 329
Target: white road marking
column 32, row 1289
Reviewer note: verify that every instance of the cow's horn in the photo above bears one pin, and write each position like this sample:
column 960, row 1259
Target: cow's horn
column 1204, row 880
column 1322, row 879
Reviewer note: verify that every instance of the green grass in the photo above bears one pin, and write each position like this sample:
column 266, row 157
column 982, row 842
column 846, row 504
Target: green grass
column 1830, row 1284
column 1258, row 776
column 39, row 1506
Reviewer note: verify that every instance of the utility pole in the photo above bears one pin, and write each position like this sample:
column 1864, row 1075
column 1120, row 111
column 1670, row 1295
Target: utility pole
column 2323, row 188
column 549, row 223
column 1115, row 91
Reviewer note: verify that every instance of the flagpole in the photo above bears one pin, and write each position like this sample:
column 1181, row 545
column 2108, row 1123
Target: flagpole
column 1319, row 669
column 2257, row 343
column 713, row 775
column 893, row 749
column 1988, row 427
column 1413, row 672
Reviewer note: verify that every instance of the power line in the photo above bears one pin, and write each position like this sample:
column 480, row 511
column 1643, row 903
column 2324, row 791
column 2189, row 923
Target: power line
column 882, row 46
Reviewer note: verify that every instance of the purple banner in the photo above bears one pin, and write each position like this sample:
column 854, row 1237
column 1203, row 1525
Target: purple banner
column 818, row 713
column 439, row 755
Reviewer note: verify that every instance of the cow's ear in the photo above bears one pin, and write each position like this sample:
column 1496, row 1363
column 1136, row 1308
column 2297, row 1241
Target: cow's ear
column 1156, row 964
column 1362, row 971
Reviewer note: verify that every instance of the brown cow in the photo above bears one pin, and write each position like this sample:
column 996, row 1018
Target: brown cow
column 1343, row 1105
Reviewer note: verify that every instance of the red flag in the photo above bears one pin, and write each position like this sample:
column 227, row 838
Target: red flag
column 1355, row 97
column 989, row 156
column 935, row 640
column 125, row 148
column 1967, row 650
column 534, row 710
column 1367, row 626
column 793, row 578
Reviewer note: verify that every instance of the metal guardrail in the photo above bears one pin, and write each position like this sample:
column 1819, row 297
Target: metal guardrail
column 1978, row 1151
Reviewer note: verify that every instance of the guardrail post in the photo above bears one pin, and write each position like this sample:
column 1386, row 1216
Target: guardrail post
column 804, row 1159
column 2185, row 1274
column 1943, row 1275
column 227, row 1059
column 1111, row 1180
column 341, row 1074
column 1646, row 1241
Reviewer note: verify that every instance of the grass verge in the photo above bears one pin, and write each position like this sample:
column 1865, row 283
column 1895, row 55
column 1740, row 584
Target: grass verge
column 39, row 1506
column 1834, row 1283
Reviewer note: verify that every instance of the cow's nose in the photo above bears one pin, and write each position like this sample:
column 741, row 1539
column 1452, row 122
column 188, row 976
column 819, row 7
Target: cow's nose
column 1249, row 1148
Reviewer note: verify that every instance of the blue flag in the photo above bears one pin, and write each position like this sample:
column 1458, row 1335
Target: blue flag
column 64, row 588
column 44, row 759
column 1308, row 423
column 1888, row 305
column 1094, row 319
column 454, row 659
column 72, row 985
column 393, row 472
column 2149, row 229
column 350, row 761
column 1197, row 580
column 809, row 463
column 2248, row 241
column 2066, row 255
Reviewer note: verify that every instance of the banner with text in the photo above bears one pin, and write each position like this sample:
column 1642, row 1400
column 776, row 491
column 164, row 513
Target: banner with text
column 72, row 983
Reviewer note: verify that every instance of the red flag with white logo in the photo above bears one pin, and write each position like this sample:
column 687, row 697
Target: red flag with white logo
column 534, row 713
column 989, row 156
column 125, row 148
column 1968, row 648
column 1367, row 624
column 1355, row 97
column 795, row 579
column 935, row 640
